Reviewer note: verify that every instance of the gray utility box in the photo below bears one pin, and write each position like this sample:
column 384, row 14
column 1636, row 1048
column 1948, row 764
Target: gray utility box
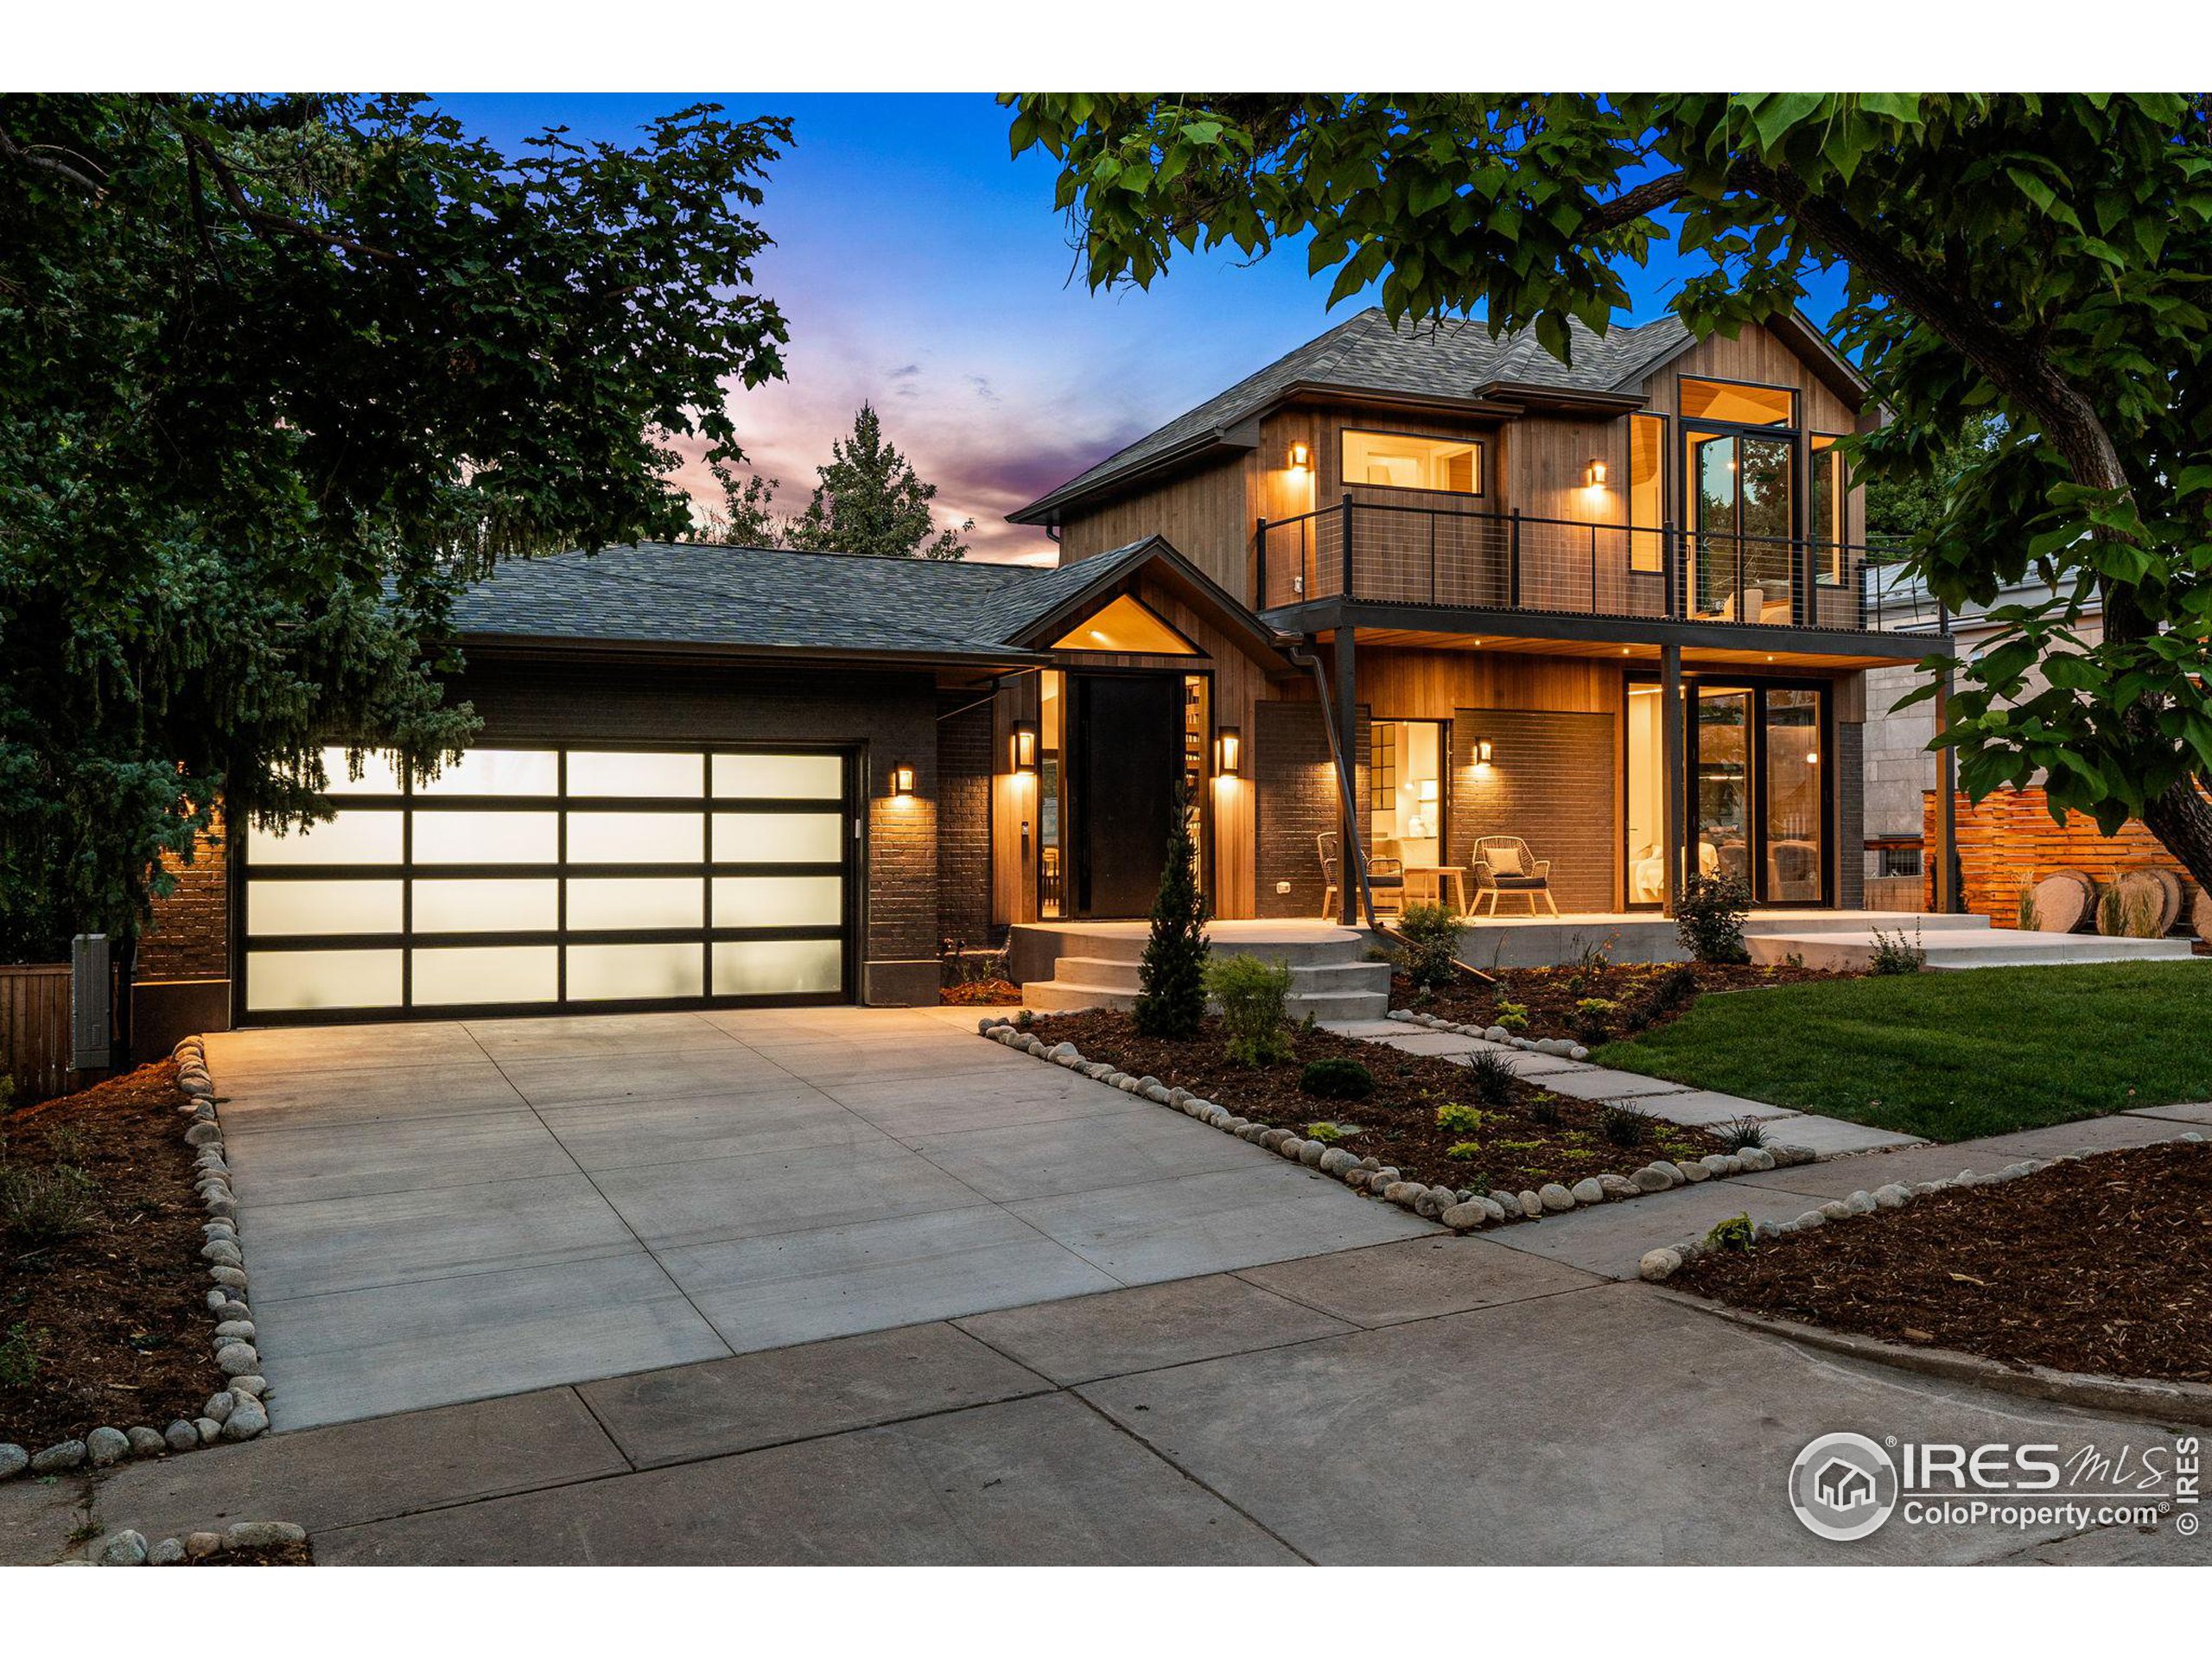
column 91, row 1010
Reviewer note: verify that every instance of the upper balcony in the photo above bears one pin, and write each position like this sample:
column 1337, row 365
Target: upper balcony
column 1509, row 562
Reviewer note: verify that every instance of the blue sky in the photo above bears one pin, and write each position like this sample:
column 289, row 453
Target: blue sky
column 922, row 268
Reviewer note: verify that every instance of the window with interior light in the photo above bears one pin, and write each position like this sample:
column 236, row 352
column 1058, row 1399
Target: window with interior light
column 1738, row 402
column 1646, row 492
column 1401, row 461
column 1126, row 624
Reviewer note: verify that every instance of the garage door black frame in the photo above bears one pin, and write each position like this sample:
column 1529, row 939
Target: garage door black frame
column 848, row 930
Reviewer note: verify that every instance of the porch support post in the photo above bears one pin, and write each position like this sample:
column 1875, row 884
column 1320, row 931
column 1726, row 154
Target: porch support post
column 1946, row 785
column 1351, row 856
column 1673, row 755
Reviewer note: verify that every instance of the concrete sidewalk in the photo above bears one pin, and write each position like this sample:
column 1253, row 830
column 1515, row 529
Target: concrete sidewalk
column 1438, row 1400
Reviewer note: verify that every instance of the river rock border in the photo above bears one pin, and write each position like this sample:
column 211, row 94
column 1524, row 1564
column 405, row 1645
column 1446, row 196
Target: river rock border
column 129, row 1548
column 1662, row 1262
column 1559, row 1046
column 236, row 1412
column 1462, row 1209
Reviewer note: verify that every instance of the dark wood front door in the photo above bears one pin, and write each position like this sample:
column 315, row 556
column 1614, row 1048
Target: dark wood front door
column 1126, row 751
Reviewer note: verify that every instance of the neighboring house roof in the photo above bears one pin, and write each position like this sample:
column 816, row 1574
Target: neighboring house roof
column 753, row 599
column 1453, row 362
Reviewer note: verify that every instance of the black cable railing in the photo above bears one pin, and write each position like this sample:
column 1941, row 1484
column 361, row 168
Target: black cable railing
column 1393, row 554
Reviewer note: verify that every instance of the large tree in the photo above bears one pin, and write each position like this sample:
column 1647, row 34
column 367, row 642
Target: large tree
column 277, row 376
column 871, row 502
column 2037, row 259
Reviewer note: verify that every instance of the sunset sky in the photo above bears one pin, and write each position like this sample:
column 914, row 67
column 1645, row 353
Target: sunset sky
column 924, row 269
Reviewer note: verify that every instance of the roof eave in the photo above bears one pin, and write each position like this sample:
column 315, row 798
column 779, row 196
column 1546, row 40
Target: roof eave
column 560, row 645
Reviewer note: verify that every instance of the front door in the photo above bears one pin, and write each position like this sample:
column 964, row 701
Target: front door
column 1126, row 752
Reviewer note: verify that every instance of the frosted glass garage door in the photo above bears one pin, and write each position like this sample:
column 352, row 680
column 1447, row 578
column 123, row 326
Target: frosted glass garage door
column 554, row 879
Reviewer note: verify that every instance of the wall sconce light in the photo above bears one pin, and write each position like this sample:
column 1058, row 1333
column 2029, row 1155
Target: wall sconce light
column 1482, row 751
column 1595, row 474
column 1301, row 457
column 1227, row 751
column 902, row 780
column 1025, row 745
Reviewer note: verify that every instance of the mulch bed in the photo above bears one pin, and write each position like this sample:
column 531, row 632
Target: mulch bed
column 115, row 1317
column 981, row 994
column 1642, row 993
column 2101, row 1266
column 1396, row 1124
column 274, row 1555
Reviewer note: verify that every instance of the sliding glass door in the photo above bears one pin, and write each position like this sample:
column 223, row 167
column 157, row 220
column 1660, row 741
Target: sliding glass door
column 1741, row 520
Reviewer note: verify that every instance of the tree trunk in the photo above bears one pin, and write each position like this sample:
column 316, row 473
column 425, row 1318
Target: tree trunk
column 2182, row 820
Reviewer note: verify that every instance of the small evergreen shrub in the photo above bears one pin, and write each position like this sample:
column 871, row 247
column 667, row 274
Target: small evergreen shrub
column 1514, row 1016
column 1623, row 1125
column 1454, row 1119
column 1336, row 1078
column 1254, row 995
column 1593, row 1018
column 1489, row 1076
column 1171, row 978
column 1431, row 935
column 1709, row 919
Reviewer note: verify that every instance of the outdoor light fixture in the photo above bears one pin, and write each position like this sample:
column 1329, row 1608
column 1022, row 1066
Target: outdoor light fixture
column 1482, row 751
column 1025, row 745
column 1301, row 458
column 1595, row 474
column 1227, row 751
column 902, row 780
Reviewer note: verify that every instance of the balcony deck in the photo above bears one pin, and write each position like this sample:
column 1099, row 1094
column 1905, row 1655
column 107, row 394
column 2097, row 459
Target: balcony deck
column 1441, row 560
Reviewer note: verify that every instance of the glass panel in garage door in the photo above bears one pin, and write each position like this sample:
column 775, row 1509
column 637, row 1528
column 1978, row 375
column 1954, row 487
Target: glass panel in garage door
column 637, row 901
column 603, row 772
column 636, row 838
column 280, row 982
column 607, row 972
column 447, row 976
column 779, row 776
column 497, row 905
column 380, row 776
column 497, row 771
column 357, row 837
column 778, row 967
column 780, row 900
column 298, row 908
column 779, row 837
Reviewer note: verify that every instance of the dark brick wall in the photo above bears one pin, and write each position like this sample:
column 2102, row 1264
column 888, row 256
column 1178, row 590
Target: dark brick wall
column 1296, row 800
column 190, row 937
column 1850, row 814
column 964, row 834
column 1552, row 782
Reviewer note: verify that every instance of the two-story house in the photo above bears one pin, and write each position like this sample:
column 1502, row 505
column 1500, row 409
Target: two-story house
column 1418, row 602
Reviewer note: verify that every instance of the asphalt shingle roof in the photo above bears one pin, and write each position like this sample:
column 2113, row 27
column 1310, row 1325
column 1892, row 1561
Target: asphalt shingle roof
column 699, row 594
column 1424, row 360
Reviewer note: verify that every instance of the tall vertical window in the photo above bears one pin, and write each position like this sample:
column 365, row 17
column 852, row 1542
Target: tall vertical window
column 1827, row 491
column 1051, row 748
column 1647, row 495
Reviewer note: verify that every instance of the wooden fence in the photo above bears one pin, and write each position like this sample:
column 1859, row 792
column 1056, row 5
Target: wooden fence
column 34, row 1035
column 2009, row 837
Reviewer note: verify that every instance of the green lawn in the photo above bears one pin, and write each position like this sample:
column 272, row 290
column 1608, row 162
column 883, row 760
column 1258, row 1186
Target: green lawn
column 1950, row 1055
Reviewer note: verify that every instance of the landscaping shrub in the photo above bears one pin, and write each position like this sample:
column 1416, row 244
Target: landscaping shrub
column 1589, row 963
column 1709, row 919
column 1458, row 1120
column 1431, row 935
column 1667, row 995
column 1624, row 1126
column 1327, row 1133
column 1489, row 1076
column 1171, row 978
column 19, row 1357
column 44, row 1206
column 1514, row 1016
column 1895, row 953
column 1545, row 1110
column 1336, row 1078
column 1254, row 995
column 1463, row 1151
column 1733, row 1234
column 1593, row 1018
column 1739, row 1133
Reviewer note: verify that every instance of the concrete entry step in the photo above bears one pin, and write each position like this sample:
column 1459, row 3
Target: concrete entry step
column 1950, row 948
column 1095, row 965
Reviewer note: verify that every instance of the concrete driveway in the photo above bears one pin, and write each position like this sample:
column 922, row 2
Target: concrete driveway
column 445, row 1212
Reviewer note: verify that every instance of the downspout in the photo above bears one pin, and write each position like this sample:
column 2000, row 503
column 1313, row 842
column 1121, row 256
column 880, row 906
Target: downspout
column 1355, row 855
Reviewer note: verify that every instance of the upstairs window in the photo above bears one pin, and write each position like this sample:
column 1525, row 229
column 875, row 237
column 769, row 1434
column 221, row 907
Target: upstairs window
column 1739, row 404
column 1399, row 461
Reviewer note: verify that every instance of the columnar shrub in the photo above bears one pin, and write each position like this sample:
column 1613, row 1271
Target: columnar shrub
column 1171, row 979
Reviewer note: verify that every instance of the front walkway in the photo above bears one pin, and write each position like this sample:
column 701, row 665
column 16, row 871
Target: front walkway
column 1437, row 1400
column 440, row 1212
